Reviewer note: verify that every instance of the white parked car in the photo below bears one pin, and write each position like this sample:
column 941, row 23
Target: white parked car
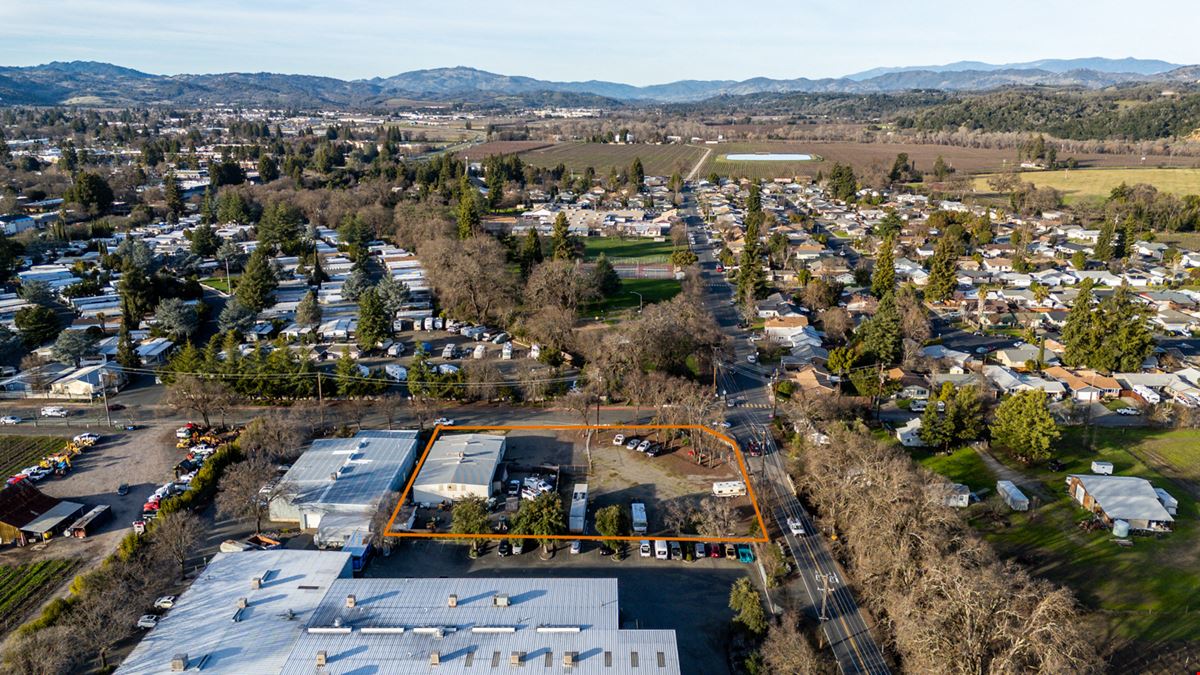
column 54, row 411
column 643, row 446
column 147, row 621
column 87, row 437
column 396, row 349
column 576, row 547
column 795, row 526
column 443, row 422
column 753, row 358
column 165, row 602
column 10, row 419
column 619, row 439
column 645, row 549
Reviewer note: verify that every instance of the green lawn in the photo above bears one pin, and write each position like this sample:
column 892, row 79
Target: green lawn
column 652, row 290
column 634, row 248
column 1146, row 591
column 961, row 466
column 219, row 283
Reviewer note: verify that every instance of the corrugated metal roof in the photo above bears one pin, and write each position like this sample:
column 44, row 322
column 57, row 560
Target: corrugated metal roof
column 367, row 466
column 202, row 623
column 544, row 619
column 464, row 459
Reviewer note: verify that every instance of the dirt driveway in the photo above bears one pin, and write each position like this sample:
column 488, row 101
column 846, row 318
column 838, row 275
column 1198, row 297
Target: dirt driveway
column 143, row 459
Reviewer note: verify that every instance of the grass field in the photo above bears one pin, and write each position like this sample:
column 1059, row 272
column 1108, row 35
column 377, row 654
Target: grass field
column 18, row 452
column 961, row 466
column 219, row 283
column 21, row 588
column 652, row 290
column 1147, row 592
column 640, row 248
column 1096, row 184
column 657, row 160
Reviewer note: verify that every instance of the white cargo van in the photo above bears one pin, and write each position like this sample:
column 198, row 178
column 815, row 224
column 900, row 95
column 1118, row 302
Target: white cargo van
column 507, row 352
column 450, row 352
column 427, row 324
column 660, row 549
column 480, row 352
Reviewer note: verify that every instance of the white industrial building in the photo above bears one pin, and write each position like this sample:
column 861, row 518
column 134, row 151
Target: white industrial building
column 287, row 612
column 459, row 465
column 345, row 479
column 242, row 615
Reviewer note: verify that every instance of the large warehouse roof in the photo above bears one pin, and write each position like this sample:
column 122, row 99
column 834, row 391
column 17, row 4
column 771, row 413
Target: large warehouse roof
column 218, row 636
column 308, row 609
column 397, row 625
column 353, row 471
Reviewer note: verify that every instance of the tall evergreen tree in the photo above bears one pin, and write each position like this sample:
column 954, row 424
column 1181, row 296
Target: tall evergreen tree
column 531, row 251
column 1079, row 332
column 604, row 277
column 881, row 334
column 468, row 209
column 308, row 310
column 258, row 282
column 1123, row 338
column 637, row 174
column 942, row 271
column 1105, row 249
column 127, row 355
column 374, row 324
column 883, row 278
column 560, row 240
column 173, row 197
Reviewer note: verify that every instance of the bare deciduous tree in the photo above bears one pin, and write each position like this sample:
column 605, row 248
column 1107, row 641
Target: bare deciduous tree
column 241, row 494
column 203, row 396
column 177, row 535
column 787, row 650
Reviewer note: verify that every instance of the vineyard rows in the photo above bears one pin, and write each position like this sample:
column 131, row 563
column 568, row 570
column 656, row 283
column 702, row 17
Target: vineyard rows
column 22, row 587
column 18, row 452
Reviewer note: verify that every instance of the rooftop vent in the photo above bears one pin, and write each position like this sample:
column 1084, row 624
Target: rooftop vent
column 322, row 658
column 333, row 476
column 243, row 603
column 256, row 583
column 435, row 658
column 500, row 600
column 569, row 659
column 516, row 658
column 452, row 601
column 179, row 663
column 351, row 601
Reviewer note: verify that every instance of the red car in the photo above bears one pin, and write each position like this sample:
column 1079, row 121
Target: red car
column 714, row 550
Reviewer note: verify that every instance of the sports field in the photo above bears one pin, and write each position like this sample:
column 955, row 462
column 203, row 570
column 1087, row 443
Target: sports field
column 652, row 291
column 657, row 160
column 627, row 249
column 1095, row 184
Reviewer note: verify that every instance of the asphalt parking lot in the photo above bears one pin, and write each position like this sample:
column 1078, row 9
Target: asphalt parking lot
column 690, row 598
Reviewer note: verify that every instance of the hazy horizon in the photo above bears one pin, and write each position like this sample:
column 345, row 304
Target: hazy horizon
column 634, row 44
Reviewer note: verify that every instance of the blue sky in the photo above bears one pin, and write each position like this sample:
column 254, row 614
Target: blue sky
column 636, row 42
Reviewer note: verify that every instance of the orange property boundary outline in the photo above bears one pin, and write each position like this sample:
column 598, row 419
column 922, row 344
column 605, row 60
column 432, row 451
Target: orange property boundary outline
column 737, row 451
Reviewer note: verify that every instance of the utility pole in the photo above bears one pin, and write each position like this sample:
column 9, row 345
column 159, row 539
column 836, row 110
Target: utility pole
column 104, row 393
column 320, row 398
column 825, row 591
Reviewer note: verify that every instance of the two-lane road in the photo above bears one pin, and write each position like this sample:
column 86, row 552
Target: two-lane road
column 831, row 601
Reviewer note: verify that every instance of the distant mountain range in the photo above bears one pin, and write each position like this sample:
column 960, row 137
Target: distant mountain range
column 101, row 84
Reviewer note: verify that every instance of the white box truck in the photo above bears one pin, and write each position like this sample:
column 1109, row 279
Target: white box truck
column 578, row 519
column 660, row 549
column 639, row 517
